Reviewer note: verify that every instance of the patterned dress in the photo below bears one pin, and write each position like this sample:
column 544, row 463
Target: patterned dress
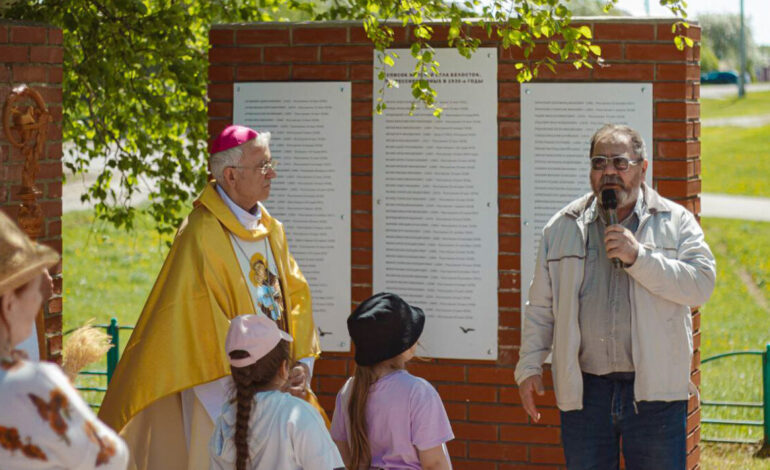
column 44, row 424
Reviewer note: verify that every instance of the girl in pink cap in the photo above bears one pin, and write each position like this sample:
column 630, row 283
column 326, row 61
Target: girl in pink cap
column 262, row 426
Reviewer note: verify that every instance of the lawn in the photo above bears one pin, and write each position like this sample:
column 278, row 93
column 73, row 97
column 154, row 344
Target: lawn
column 735, row 319
column 754, row 103
column 108, row 273
column 736, row 160
column 731, row 457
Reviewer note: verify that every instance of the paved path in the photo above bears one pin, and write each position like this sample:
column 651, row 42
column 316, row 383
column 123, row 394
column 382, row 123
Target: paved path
column 726, row 91
column 725, row 206
column 712, row 205
column 738, row 121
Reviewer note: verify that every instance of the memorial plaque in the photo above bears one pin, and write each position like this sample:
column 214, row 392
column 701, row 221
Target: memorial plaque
column 435, row 203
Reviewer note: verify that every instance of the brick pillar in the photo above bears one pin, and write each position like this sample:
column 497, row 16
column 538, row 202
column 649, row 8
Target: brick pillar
column 32, row 55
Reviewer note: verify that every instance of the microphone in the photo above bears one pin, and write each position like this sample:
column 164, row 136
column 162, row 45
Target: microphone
column 610, row 203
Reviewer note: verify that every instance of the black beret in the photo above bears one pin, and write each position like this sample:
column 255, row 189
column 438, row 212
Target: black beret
column 383, row 327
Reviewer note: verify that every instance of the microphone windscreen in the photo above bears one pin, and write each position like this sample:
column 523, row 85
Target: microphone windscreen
column 609, row 199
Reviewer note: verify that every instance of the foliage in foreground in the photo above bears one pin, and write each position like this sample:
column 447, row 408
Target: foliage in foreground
column 135, row 74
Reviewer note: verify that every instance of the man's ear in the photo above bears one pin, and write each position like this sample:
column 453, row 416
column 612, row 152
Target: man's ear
column 228, row 174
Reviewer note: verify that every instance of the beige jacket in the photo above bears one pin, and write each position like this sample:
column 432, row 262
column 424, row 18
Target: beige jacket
column 674, row 270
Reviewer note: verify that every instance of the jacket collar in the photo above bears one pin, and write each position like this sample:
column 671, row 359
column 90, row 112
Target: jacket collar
column 212, row 201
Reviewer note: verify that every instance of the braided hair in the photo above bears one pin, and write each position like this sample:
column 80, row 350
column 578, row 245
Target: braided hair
column 248, row 381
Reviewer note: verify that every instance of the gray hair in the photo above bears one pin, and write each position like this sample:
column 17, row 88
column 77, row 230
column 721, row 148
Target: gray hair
column 232, row 157
column 637, row 143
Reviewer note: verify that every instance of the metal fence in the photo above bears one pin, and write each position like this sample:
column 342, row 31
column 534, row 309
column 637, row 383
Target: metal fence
column 764, row 404
column 113, row 355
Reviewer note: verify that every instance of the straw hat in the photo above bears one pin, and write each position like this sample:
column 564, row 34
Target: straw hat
column 20, row 257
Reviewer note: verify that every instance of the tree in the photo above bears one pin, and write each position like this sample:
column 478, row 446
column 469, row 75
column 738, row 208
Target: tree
column 135, row 74
column 708, row 60
column 721, row 33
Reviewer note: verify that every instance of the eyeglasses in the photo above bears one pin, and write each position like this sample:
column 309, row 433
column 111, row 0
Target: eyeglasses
column 621, row 163
column 263, row 168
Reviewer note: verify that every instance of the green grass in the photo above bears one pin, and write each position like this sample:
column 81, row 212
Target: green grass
column 754, row 103
column 736, row 160
column 107, row 273
column 731, row 457
column 735, row 319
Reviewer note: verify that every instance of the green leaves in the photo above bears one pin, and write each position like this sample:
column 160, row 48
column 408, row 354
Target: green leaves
column 135, row 77
column 134, row 97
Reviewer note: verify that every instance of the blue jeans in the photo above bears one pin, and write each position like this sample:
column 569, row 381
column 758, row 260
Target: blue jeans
column 654, row 438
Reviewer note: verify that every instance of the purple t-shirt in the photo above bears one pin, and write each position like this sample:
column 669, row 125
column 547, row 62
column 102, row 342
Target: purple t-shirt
column 403, row 413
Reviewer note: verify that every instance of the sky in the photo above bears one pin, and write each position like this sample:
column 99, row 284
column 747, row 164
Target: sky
column 755, row 11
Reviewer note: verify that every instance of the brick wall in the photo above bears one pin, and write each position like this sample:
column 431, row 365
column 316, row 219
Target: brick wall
column 492, row 430
column 32, row 54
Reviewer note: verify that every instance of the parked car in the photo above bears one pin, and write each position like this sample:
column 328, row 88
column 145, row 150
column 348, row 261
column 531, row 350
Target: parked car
column 728, row 76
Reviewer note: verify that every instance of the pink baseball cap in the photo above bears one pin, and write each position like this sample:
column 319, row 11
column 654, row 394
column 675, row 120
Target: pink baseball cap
column 232, row 136
column 255, row 334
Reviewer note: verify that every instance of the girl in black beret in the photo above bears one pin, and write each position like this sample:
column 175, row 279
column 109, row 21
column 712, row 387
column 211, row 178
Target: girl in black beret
column 385, row 417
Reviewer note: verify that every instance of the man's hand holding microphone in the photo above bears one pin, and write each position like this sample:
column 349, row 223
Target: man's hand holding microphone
column 621, row 245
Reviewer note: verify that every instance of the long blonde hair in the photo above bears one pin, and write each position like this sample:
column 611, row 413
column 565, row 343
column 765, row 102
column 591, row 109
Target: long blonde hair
column 358, row 440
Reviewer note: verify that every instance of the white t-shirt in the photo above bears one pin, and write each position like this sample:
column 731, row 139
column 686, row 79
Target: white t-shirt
column 44, row 424
column 285, row 433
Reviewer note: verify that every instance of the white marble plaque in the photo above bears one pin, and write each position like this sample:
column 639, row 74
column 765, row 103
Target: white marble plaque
column 557, row 122
column 435, row 203
column 310, row 127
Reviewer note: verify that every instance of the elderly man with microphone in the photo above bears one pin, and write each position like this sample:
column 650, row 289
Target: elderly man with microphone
column 617, row 271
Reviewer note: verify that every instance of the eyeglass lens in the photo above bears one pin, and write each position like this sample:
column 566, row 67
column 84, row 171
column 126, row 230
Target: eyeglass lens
column 268, row 165
column 620, row 163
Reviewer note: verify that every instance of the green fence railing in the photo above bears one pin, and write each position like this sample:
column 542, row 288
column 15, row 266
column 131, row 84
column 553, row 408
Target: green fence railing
column 764, row 404
column 113, row 355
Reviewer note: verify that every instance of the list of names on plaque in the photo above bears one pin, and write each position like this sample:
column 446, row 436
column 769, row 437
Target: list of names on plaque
column 310, row 139
column 557, row 122
column 435, row 203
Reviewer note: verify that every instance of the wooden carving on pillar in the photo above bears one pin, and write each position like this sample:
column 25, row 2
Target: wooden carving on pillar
column 25, row 123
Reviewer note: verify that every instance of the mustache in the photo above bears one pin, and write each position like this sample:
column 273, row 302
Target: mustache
column 611, row 179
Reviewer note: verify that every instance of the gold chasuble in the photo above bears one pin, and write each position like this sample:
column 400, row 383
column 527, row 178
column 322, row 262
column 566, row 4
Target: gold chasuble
column 178, row 342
